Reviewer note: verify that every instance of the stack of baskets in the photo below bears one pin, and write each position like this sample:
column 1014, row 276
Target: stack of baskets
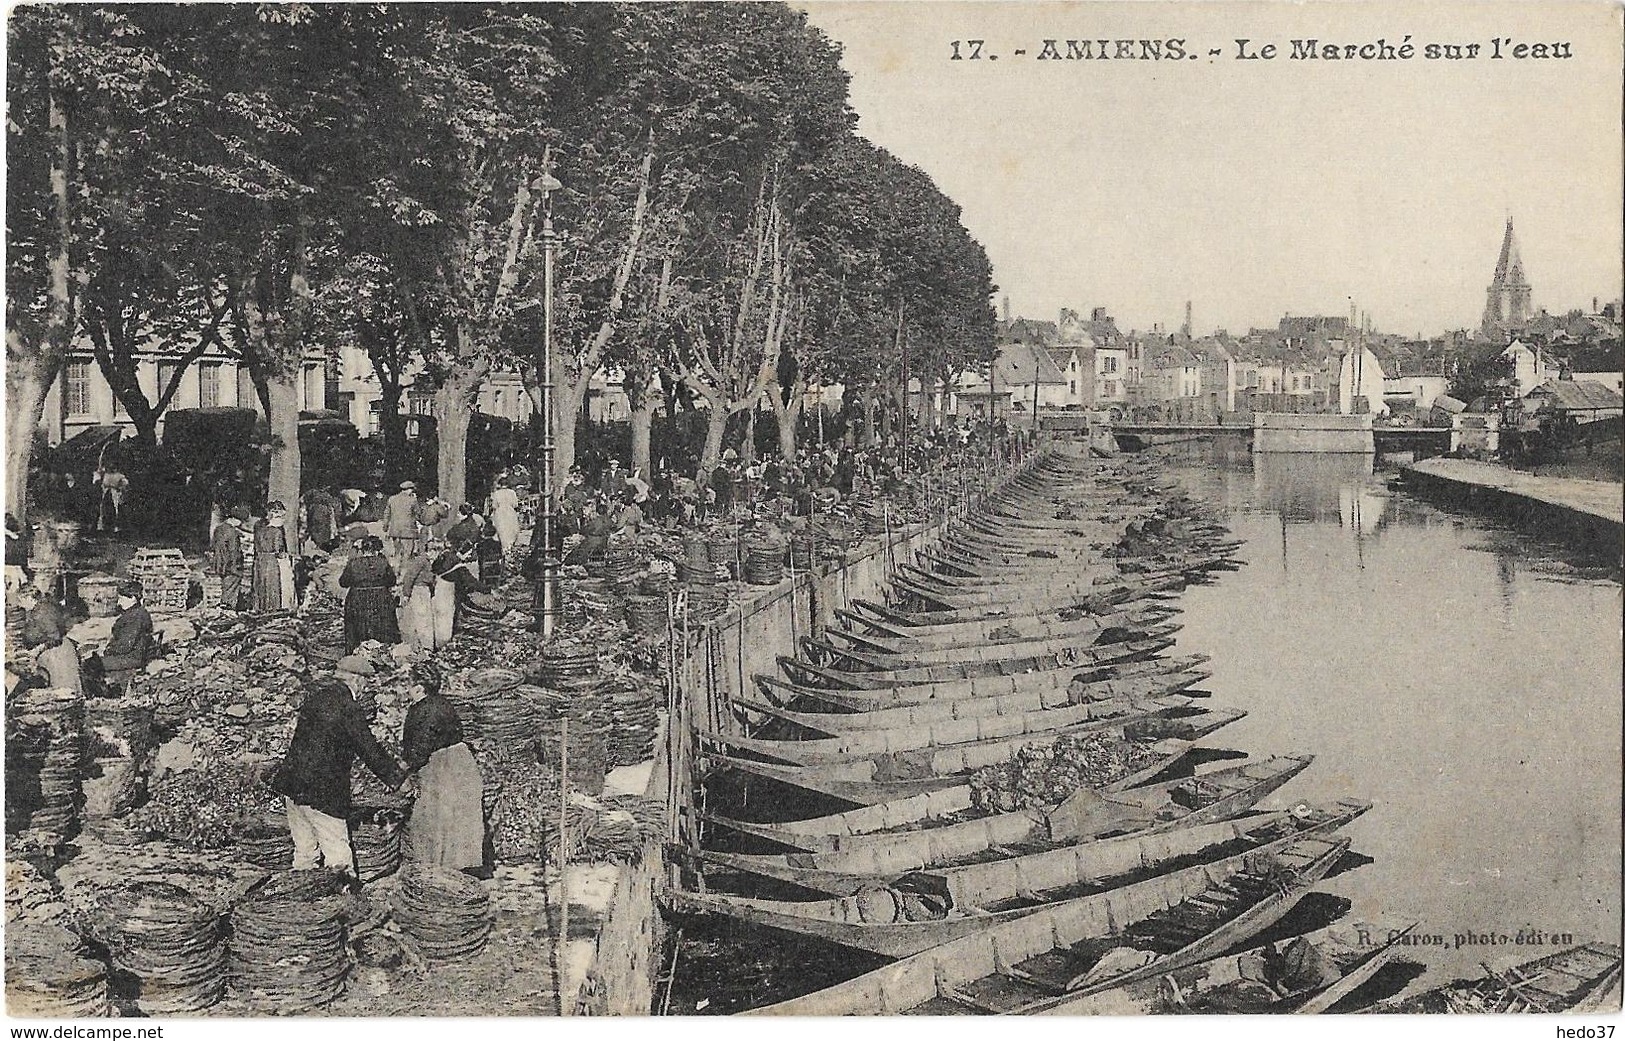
column 377, row 838
column 647, row 615
column 723, row 550
column 706, row 602
column 50, row 975
column 564, row 665
column 165, row 578
column 267, row 844
column 445, row 913
column 621, row 562
column 764, row 563
column 45, row 779
column 696, row 568
column 802, row 550
column 288, row 942
column 168, row 944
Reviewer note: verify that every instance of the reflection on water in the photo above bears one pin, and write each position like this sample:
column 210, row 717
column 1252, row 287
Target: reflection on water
column 1464, row 677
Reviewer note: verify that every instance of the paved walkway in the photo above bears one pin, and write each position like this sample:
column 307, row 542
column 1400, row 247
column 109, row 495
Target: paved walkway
column 1602, row 499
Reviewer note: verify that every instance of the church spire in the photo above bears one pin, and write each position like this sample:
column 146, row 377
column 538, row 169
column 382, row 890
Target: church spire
column 1507, row 299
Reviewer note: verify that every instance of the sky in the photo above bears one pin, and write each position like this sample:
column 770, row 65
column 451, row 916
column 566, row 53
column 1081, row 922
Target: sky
column 1257, row 188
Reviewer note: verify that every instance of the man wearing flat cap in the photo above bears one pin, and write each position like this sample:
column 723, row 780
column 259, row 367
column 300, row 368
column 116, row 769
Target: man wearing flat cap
column 401, row 522
column 226, row 557
column 314, row 778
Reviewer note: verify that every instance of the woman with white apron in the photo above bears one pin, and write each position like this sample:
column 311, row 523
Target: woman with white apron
column 455, row 570
column 417, row 597
column 505, row 516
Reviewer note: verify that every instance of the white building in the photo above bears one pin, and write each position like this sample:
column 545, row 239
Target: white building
column 82, row 398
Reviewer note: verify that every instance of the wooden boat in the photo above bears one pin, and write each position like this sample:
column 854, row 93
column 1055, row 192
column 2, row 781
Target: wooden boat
column 881, row 638
column 989, row 655
column 1138, row 587
column 1306, row 975
column 901, row 752
column 1159, row 639
column 861, row 744
column 928, row 910
column 843, row 862
column 1088, row 683
column 1560, row 982
column 1038, row 599
column 863, row 616
column 864, row 782
column 963, row 709
column 1031, row 961
column 825, row 685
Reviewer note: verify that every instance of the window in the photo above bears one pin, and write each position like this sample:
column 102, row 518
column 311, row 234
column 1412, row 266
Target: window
column 1294, row 383
column 166, row 373
column 1308, row 383
column 208, row 384
column 1072, row 385
column 76, row 388
column 1108, row 389
column 1108, row 365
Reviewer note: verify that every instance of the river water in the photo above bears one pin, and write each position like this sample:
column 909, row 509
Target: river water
column 1464, row 678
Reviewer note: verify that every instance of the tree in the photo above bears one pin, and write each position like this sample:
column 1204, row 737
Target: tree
column 739, row 252
column 74, row 74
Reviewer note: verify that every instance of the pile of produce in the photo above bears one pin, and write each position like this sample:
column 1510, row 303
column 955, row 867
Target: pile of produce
column 168, row 942
column 49, row 974
column 287, row 943
column 1038, row 777
column 446, row 914
column 521, row 802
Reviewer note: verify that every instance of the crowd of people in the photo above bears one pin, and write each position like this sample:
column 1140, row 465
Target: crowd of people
column 410, row 568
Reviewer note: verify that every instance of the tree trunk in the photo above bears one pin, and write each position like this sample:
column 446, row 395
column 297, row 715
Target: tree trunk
column 453, row 407
column 871, row 436
column 642, row 420
column 747, row 450
column 568, row 398
column 716, row 424
column 283, row 390
column 26, row 387
column 393, row 426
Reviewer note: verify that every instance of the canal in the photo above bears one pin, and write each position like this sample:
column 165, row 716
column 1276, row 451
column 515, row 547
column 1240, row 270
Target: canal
column 1465, row 678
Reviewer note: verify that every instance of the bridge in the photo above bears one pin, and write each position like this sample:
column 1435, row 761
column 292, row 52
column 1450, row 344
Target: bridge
column 1422, row 442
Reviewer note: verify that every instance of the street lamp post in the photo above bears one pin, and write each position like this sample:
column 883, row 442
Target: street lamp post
column 547, row 590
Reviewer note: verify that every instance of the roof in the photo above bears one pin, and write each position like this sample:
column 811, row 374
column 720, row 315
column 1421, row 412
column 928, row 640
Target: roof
column 1061, row 356
column 1171, row 356
column 1578, row 396
column 1018, row 361
column 1449, row 404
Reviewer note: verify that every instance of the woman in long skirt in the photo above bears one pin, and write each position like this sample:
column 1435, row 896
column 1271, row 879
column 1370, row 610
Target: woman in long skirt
column 417, row 597
column 369, row 608
column 456, row 576
column 447, row 828
column 273, row 562
column 505, row 516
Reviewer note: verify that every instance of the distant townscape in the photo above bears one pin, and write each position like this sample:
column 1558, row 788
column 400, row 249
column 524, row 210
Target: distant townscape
column 1089, row 364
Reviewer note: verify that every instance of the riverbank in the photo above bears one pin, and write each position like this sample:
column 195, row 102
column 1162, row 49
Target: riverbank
column 1592, row 513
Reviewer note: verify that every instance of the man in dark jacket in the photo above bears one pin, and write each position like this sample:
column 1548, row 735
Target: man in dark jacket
column 314, row 777
column 132, row 644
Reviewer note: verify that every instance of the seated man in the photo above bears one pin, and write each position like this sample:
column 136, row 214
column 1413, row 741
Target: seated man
column 132, row 644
